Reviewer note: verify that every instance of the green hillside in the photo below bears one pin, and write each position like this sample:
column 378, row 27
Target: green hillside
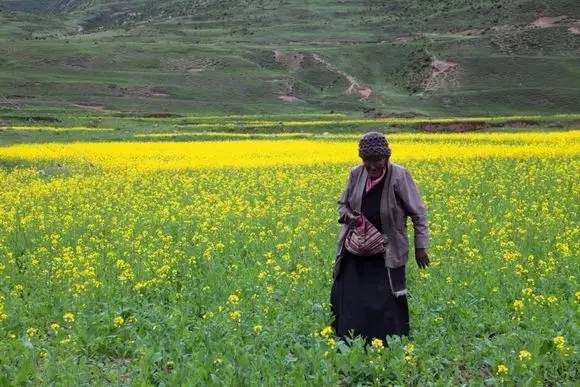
column 452, row 57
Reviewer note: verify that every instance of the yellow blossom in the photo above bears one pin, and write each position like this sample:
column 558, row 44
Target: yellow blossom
column 236, row 315
column 377, row 343
column 560, row 344
column 524, row 355
column 68, row 317
column 327, row 330
column 233, row 298
column 501, row 369
column 118, row 321
column 31, row 332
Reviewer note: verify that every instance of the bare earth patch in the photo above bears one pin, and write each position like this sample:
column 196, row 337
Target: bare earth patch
column 443, row 73
column 547, row 21
column 452, row 127
column 284, row 89
column 557, row 21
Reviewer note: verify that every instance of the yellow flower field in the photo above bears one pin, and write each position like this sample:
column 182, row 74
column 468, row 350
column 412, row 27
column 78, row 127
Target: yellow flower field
column 210, row 262
column 251, row 153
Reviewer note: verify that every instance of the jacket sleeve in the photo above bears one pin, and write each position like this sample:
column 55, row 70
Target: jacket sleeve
column 414, row 207
column 346, row 214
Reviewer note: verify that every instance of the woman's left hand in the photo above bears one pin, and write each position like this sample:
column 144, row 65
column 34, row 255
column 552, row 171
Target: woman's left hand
column 421, row 258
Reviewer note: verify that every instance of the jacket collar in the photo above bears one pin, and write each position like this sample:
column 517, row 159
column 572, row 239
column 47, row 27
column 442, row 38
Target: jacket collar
column 357, row 194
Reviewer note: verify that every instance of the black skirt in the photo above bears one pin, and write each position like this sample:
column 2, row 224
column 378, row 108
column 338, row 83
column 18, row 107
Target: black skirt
column 361, row 300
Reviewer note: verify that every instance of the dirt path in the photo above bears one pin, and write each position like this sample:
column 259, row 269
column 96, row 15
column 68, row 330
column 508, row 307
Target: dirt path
column 363, row 91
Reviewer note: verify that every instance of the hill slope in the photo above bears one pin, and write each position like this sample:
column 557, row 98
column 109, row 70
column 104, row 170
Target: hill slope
column 452, row 57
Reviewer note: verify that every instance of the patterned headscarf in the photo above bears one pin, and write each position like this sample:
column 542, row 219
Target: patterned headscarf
column 373, row 144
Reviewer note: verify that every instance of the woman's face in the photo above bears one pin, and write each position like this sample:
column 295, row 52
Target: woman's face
column 374, row 166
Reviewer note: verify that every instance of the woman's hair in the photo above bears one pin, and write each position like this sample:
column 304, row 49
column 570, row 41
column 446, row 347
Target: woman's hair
column 373, row 144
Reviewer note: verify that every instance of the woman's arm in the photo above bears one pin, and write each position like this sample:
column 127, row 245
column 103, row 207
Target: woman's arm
column 346, row 214
column 413, row 205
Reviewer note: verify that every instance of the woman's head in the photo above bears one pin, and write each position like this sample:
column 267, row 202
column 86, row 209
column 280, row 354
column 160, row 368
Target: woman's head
column 374, row 150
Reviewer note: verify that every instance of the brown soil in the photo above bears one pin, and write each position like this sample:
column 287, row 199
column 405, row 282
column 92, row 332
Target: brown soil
column 519, row 124
column 468, row 126
column 453, row 127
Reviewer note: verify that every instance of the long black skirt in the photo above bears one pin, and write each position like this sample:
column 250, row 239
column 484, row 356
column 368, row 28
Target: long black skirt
column 362, row 302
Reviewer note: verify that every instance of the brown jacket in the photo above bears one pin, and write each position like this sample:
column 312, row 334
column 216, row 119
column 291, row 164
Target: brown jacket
column 400, row 198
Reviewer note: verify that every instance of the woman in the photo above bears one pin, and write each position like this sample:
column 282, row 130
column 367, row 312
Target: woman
column 368, row 294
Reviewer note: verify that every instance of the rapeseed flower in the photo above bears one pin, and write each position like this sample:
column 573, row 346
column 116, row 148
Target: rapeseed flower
column 326, row 331
column 69, row 317
column 118, row 321
column 501, row 369
column 377, row 343
column 524, row 355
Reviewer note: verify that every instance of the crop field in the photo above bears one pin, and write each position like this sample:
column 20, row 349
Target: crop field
column 155, row 262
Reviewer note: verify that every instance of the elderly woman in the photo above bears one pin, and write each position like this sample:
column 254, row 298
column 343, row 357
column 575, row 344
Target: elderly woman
column 369, row 295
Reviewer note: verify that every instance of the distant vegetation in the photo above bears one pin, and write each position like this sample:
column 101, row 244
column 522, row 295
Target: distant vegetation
column 244, row 57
